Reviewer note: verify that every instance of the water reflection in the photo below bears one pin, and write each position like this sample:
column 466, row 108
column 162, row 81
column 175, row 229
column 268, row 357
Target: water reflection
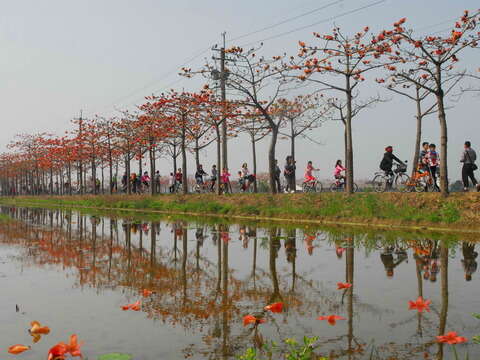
column 207, row 276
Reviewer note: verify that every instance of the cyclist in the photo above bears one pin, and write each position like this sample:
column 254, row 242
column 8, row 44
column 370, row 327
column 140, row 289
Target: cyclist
column 225, row 180
column 308, row 173
column 178, row 179
column 145, row 179
column 200, row 174
column 337, row 172
column 247, row 177
column 387, row 161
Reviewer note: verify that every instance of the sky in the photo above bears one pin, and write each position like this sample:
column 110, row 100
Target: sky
column 99, row 56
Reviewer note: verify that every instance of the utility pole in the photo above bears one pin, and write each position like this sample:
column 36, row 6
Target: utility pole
column 223, row 77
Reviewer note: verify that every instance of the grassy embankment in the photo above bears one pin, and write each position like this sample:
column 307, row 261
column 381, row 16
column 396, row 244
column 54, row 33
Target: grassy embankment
column 458, row 212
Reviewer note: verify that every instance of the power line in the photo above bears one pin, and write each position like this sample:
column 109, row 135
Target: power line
column 286, row 20
column 318, row 22
column 164, row 76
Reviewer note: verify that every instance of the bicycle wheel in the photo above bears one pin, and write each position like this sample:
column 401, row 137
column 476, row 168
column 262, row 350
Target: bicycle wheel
column 335, row 188
column 355, row 187
column 379, row 183
column 317, row 187
column 305, row 188
column 402, row 181
column 420, row 186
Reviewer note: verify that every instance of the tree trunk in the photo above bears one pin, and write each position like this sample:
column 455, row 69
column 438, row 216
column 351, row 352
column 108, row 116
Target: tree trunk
column 153, row 190
column 348, row 129
column 292, row 147
column 271, row 158
column 127, row 170
column 443, row 145
column 418, row 137
column 110, row 169
column 254, row 156
column 184, row 164
column 197, row 154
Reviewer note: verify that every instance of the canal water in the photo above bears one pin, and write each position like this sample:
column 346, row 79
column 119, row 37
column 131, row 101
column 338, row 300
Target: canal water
column 74, row 271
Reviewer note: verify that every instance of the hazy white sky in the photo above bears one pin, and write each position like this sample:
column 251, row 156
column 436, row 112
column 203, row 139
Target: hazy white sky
column 60, row 56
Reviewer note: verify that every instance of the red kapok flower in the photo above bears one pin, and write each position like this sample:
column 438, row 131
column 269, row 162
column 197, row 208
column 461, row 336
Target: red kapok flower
column 332, row 319
column 341, row 286
column 275, row 307
column 250, row 319
column 419, row 305
column 451, row 338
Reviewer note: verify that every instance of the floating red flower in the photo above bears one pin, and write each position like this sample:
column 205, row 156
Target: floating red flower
column 332, row 319
column 451, row 338
column 275, row 307
column 419, row 305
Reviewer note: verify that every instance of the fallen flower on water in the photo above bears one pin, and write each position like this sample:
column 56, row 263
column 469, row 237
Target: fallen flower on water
column 332, row 319
column 61, row 349
column 36, row 328
column 74, row 346
column 419, row 305
column 146, row 292
column 58, row 351
column 451, row 338
column 250, row 319
column 135, row 306
column 341, row 286
column 18, row 349
column 275, row 307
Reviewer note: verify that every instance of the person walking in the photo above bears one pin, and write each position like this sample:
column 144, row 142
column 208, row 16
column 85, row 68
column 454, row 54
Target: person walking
column 289, row 173
column 277, row 177
column 469, row 156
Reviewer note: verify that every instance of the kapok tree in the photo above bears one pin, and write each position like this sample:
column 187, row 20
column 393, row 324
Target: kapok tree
column 179, row 111
column 339, row 111
column 256, row 83
column 339, row 64
column 415, row 93
column 213, row 113
column 435, row 58
column 301, row 115
column 124, row 132
column 250, row 121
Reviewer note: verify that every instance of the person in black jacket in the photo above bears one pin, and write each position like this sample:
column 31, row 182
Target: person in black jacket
column 387, row 161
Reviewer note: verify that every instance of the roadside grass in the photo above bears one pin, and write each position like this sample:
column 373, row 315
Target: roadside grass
column 399, row 208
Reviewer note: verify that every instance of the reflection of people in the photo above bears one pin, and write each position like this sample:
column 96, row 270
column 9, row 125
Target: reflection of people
column 291, row 246
column 309, row 242
column 469, row 261
column 389, row 261
column 243, row 236
column 199, row 236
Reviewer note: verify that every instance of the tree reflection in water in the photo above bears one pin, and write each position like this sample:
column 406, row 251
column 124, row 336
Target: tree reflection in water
column 207, row 287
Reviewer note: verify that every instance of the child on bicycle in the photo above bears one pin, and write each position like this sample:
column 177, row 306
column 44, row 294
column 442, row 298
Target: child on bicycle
column 200, row 173
column 337, row 172
column 225, row 180
column 309, row 173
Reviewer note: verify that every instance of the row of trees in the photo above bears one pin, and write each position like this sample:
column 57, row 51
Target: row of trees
column 267, row 100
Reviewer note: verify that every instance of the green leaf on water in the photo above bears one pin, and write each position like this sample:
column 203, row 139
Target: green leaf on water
column 115, row 356
column 476, row 315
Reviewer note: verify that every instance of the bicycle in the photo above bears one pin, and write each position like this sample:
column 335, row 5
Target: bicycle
column 203, row 186
column 312, row 185
column 422, row 181
column 340, row 185
column 250, row 179
column 397, row 179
